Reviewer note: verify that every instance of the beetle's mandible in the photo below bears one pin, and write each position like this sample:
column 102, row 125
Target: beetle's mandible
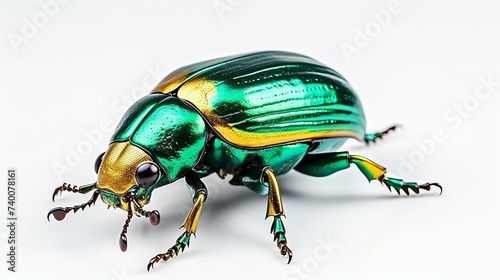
column 253, row 116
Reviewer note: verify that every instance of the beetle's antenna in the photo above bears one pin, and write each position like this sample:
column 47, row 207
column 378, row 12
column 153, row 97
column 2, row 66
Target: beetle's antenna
column 123, row 236
column 154, row 216
column 59, row 213
column 68, row 188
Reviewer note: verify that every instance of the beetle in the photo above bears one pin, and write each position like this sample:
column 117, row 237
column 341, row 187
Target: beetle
column 254, row 116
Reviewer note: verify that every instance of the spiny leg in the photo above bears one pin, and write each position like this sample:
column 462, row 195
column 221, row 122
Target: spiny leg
column 262, row 180
column 200, row 193
column 275, row 209
column 373, row 137
column 326, row 164
column 68, row 188
column 374, row 171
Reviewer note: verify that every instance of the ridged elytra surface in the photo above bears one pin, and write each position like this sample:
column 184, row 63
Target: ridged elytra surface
column 269, row 98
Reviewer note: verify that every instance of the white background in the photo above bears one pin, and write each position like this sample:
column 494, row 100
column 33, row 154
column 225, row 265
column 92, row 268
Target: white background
column 88, row 60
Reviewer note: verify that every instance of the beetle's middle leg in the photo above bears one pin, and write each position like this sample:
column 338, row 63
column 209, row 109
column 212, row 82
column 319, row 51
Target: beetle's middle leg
column 200, row 192
column 263, row 180
column 320, row 165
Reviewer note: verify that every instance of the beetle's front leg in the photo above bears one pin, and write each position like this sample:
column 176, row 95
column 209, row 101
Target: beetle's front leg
column 200, row 193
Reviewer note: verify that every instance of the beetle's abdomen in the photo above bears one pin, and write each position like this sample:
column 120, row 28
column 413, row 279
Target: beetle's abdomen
column 281, row 159
column 273, row 98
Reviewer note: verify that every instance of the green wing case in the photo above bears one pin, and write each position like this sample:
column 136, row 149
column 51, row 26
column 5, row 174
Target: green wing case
column 269, row 98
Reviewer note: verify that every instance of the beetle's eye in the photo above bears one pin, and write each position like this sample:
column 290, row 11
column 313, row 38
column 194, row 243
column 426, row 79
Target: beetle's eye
column 98, row 162
column 147, row 174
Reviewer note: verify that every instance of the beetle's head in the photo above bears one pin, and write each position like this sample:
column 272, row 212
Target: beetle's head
column 126, row 176
column 127, row 173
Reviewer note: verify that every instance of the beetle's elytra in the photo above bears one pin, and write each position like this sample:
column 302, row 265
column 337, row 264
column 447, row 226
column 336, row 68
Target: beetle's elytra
column 254, row 116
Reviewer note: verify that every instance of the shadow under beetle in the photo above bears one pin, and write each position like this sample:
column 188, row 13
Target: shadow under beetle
column 254, row 116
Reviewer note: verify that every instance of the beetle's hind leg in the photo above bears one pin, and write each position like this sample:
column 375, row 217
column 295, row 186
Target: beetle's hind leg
column 74, row 189
column 320, row 165
column 374, row 171
column 373, row 137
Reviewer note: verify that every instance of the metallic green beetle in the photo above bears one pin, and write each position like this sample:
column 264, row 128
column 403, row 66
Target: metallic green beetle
column 254, row 116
